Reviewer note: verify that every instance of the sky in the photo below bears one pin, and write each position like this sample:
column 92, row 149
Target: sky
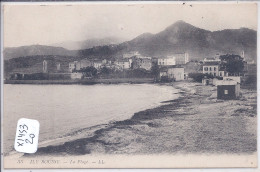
column 49, row 24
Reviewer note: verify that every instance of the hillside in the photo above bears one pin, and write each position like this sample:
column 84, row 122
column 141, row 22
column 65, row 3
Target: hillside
column 199, row 43
column 34, row 64
column 177, row 38
column 33, row 50
column 183, row 37
column 89, row 43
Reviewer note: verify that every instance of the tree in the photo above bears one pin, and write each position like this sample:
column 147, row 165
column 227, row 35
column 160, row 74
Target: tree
column 155, row 70
column 197, row 77
column 233, row 64
column 89, row 71
column 105, row 71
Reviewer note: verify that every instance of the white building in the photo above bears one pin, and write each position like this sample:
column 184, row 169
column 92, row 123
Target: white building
column 175, row 59
column 97, row 64
column 166, row 61
column 213, row 68
column 123, row 63
column 72, row 65
column 176, row 74
column 182, row 58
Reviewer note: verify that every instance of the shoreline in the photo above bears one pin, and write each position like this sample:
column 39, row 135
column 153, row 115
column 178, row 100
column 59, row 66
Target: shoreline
column 88, row 131
column 83, row 81
column 196, row 122
column 57, row 148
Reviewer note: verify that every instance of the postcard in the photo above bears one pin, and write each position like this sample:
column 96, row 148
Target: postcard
column 129, row 85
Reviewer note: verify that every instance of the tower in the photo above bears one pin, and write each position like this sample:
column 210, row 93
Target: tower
column 58, row 67
column 186, row 56
column 243, row 55
column 45, row 67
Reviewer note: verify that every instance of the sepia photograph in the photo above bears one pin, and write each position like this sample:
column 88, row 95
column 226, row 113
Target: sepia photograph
column 129, row 85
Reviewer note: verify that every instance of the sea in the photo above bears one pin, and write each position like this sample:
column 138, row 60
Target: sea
column 65, row 109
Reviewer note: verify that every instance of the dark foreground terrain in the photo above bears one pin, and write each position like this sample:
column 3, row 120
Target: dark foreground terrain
column 195, row 123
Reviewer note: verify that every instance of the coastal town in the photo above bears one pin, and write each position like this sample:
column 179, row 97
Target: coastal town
column 130, row 85
column 176, row 67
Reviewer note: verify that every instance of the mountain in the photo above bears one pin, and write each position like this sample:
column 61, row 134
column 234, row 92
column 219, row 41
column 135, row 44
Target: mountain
column 72, row 45
column 33, row 50
column 177, row 38
column 199, row 43
column 183, row 37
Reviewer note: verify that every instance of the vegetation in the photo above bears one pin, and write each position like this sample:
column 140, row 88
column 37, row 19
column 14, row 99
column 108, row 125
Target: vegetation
column 233, row 64
column 89, row 71
column 197, row 77
column 250, row 80
column 165, row 79
column 155, row 70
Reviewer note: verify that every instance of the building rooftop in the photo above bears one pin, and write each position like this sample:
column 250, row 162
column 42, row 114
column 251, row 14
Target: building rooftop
column 227, row 82
column 170, row 67
column 211, row 64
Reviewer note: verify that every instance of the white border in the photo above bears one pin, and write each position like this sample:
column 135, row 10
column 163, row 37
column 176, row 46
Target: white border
column 135, row 2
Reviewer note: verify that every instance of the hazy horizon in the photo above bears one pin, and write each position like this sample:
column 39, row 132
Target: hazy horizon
column 51, row 24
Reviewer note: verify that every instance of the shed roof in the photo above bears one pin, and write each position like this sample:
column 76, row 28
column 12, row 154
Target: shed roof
column 227, row 82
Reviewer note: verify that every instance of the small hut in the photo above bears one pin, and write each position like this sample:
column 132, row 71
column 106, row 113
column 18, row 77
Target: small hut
column 228, row 90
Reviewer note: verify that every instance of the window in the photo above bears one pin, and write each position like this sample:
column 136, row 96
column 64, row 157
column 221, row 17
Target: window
column 214, row 74
column 206, row 68
column 225, row 91
column 220, row 73
column 209, row 68
column 215, row 68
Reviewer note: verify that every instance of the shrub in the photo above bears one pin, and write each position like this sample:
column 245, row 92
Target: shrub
column 165, row 79
column 197, row 77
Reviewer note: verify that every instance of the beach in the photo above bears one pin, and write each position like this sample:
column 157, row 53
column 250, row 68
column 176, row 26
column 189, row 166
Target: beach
column 65, row 111
column 194, row 123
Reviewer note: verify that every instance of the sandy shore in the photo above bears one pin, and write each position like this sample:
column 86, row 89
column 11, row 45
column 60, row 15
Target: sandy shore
column 195, row 123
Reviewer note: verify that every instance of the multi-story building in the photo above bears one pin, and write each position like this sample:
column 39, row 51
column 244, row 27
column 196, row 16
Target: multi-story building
column 166, row 61
column 175, row 59
column 181, row 58
column 144, row 63
column 211, row 68
column 72, row 66
column 97, row 64
column 123, row 64
column 214, row 69
column 173, row 73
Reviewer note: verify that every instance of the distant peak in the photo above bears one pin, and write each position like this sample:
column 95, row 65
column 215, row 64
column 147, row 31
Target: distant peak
column 180, row 22
column 179, row 26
